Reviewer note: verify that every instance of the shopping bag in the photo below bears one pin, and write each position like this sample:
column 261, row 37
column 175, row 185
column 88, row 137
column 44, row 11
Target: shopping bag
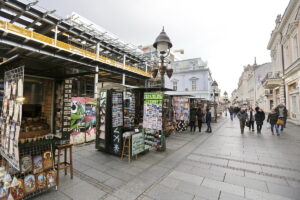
column 248, row 123
column 280, row 122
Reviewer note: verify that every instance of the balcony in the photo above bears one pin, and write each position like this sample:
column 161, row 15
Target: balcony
column 268, row 92
column 272, row 80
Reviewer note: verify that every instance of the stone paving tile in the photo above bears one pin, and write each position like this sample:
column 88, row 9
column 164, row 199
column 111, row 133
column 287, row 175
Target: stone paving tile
column 124, row 195
column 170, row 182
column 266, row 178
column 114, row 182
column 80, row 166
column 197, row 190
column 196, row 164
column 164, row 193
column 110, row 197
column 52, row 195
column 227, row 170
column 186, row 177
column 246, row 182
column 228, row 196
column 227, row 187
column 216, row 175
column 119, row 174
column 195, row 157
column 259, row 195
column 83, row 190
column 100, row 176
column 245, row 166
column 285, row 191
column 281, row 172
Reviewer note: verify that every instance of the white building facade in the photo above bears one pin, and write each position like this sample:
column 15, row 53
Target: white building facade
column 190, row 77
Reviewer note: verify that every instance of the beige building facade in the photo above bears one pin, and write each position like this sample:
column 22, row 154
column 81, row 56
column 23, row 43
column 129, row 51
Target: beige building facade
column 285, row 53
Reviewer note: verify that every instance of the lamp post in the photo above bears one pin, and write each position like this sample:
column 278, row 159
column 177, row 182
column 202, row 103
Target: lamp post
column 214, row 86
column 226, row 101
column 163, row 46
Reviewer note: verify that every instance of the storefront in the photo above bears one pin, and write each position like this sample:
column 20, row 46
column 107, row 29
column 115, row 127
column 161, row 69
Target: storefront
column 35, row 117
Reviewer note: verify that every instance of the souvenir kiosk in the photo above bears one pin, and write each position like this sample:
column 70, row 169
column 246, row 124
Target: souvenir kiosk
column 35, row 117
column 136, row 113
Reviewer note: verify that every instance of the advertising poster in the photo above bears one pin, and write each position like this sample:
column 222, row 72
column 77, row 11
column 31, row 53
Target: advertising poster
column 153, row 102
column 182, row 108
column 83, row 120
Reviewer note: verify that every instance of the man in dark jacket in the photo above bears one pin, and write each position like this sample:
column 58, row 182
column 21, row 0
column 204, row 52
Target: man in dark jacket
column 282, row 114
column 193, row 117
column 259, row 118
column 242, row 116
column 200, row 117
column 272, row 119
column 231, row 112
column 208, row 120
column 251, row 119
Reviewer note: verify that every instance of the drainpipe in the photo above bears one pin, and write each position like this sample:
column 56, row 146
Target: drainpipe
column 283, row 69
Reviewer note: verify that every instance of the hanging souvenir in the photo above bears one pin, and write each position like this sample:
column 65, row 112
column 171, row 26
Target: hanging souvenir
column 26, row 163
column 20, row 87
column 37, row 164
column 29, row 183
column 5, row 104
column 8, row 90
column 16, row 112
column 47, row 160
column 14, row 88
column 17, row 190
column 51, row 178
column 3, row 191
column 10, row 108
column 17, row 133
column 41, row 182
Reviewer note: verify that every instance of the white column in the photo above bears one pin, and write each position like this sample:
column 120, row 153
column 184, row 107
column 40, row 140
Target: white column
column 55, row 34
column 96, row 82
column 124, row 63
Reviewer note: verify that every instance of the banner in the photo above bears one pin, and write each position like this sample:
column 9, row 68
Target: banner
column 182, row 108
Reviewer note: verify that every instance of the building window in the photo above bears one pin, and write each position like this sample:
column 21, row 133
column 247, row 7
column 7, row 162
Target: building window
column 294, row 106
column 295, row 48
column 175, row 85
column 194, row 86
column 286, row 56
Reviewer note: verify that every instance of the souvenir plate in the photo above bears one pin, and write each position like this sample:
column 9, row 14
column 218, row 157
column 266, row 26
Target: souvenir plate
column 51, row 178
column 26, row 163
column 18, row 191
column 29, row 183
column 41, row 182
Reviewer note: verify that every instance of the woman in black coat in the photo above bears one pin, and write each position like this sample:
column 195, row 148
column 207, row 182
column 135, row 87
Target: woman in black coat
column 259, row 119
column 193, row 116
column 200, row 115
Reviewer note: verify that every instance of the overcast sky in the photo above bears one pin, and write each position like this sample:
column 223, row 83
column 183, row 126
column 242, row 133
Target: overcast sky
column 226, row 33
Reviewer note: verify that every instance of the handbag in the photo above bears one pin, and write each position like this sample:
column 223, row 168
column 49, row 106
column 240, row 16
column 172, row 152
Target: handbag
column 280, row 122
column 248, row 123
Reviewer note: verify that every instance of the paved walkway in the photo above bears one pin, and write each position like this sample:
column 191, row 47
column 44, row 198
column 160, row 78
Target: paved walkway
column 221, row 165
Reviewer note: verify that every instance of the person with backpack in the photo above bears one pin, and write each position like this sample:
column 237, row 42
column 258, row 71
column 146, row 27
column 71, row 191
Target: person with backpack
column 242, row 116
column 282, row 115
column 259, row 119
column 208, row 120
column 272, row 119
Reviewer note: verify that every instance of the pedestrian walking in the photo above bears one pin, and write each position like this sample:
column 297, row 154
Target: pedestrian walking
column 282, row 115
column 193, row 117
column 251, row 120
column 200, row 115
column 230, row 109
column 259, row 119
column 272, row 119
column 242, row 116
column 208, row 120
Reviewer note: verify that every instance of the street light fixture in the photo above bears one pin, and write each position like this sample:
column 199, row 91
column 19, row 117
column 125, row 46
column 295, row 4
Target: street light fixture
column 163, row 46
column 214, row 86
column 226, row 100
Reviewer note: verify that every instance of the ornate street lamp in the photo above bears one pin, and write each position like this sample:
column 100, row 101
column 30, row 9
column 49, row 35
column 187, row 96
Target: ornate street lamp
column 226, row 100
column 214, row 86
column 163, row 46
